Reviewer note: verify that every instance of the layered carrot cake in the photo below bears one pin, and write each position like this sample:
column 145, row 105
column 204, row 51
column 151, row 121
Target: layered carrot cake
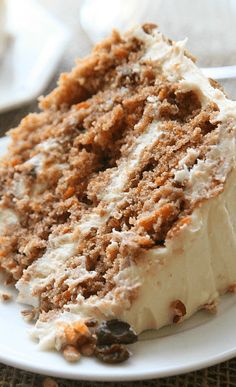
column 118, row 210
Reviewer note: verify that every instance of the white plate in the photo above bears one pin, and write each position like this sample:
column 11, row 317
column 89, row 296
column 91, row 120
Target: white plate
column 36, row 43
column 201, row 341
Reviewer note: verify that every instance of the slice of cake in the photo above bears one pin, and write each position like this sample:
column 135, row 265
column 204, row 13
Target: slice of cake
column 117, row 199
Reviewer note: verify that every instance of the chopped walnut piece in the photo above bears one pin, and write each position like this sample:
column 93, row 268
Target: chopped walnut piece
column 71, row 354
column 87, row 349
column 179, row 310
column 30, row 314
column 211, row 307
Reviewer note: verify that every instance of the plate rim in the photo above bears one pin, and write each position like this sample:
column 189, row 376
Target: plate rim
column 175, row 371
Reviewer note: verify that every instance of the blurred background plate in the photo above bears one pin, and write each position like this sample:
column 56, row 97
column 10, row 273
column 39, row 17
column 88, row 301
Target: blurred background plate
column 36, row 43
column 209, row 25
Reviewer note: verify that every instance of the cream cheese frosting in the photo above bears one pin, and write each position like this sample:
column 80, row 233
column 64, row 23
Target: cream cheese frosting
column 193, row 266
column 196, row 266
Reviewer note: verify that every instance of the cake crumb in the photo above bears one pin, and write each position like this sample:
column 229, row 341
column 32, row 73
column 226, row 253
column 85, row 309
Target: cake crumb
column 5, row 297
column 87, row 349
column 211, row 307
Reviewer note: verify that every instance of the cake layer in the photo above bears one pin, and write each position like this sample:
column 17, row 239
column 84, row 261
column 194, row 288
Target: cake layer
column 122, row 138
column 116, row 193
column 195, row 267
column 190, row 272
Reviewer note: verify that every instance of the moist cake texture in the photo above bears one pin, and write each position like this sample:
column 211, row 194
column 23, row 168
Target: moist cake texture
column 117, row 199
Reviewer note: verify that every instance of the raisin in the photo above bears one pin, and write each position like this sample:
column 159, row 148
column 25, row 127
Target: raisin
column 115, row 332
column 115, row 353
